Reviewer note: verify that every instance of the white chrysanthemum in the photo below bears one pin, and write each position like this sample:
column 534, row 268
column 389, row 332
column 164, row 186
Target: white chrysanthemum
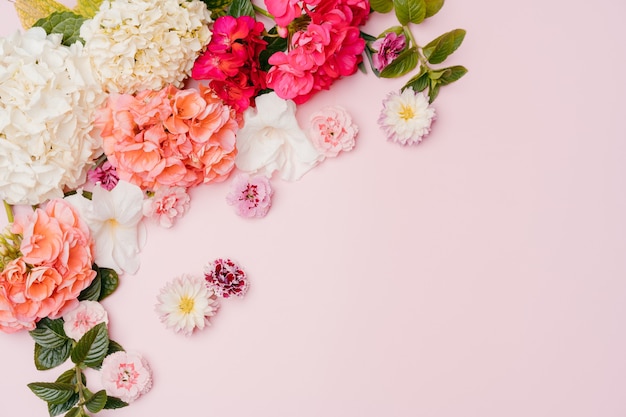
column 48, row 96
column 406, row 117
column 140, row 45
column 186, row 303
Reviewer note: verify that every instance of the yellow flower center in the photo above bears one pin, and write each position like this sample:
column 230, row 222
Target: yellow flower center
column 406, row 112
column 186, row 305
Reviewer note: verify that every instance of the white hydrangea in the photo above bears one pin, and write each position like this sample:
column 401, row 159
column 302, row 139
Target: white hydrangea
column 48, row 96
column 140, row 45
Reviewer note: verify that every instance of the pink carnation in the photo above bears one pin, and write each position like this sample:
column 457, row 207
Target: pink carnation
column 169, row 137
column 83, row 318
column 167, row 205
column 387, row 49
column 332, row 131
column 126, row 376
column 104, row 175
column 251, row 197
column 54, row 264
column 226, row 278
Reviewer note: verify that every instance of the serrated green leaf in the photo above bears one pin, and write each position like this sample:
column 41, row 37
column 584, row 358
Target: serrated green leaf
column 241, row 8
column 419, row 82
column 433, row 6
column 87, row 8
column 109, row 281
column 49, row 333
column 114, row 402
column 52, row 392
column 97, row 401
column 69, row 377
column 441, row 47
column 92, row 347
column 56, row 409
column 114, row 347
column 66, row 23
column 452, row 74
column 403, row 64
column 413, row 11
column 48, row 358
column 382, row 6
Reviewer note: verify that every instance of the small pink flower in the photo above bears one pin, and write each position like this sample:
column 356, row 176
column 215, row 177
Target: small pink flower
column 226, row 278
column 250, row 196
column 332, row 131
column 104, row 175
column 126, row 376
column 388, row 49
column 167, row 205
column 83, row 318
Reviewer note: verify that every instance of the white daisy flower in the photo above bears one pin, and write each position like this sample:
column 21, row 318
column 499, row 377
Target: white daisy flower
column 406, row 117
column 186, row 304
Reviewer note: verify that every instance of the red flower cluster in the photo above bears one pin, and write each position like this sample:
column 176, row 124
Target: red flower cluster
column 231, row 61
column 329, row 47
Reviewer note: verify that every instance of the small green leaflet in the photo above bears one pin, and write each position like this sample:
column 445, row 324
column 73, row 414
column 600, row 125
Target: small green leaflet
column 66, row 23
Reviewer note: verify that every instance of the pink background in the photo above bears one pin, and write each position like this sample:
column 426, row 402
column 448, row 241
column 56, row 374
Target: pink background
column 481, row 273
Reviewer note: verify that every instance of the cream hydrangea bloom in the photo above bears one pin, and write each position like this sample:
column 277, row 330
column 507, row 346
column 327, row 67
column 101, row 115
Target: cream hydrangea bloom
column 48, row 96
column 140, row 45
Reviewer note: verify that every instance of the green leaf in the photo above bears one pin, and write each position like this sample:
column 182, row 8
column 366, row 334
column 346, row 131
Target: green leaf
column 75, row 412
column 381, row 6
column 404, row 63
column 413, row 11
column 92, row 292
column 241, row 8
column 97, row 401
column 92, row 347
column 433, row 91
column 87, row 8
column 452, row 74
column 52, row 392
column 440, row 48
column 418, row 82
column 66, row 23
column 56, row 409
column 49, row 333
column 69, row 377
column 274, row 44
column 433, row 6
column 217, row 7
column 114, row 347
column 114, row 402
column 48, row 358
column 109, row 281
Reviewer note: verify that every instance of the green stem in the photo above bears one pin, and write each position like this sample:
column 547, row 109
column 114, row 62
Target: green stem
column 264, row 12
column 9, row 210
column 79, row 384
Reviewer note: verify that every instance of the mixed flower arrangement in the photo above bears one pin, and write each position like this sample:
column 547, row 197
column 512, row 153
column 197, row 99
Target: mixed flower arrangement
column 101, row 127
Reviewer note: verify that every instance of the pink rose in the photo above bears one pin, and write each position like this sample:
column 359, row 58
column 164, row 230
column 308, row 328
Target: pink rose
column 332, row 131
column 83, row 318
column 126, row 375
column 251, row 197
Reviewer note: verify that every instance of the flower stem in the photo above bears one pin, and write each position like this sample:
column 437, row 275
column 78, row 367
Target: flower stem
column 9, row 210
column 264, row 12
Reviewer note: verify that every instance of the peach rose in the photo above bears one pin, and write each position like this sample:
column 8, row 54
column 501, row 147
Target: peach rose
column 55, row 266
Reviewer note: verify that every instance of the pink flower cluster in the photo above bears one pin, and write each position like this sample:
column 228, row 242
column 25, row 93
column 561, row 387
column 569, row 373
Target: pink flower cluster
column 231, row 61
column 327, row 48
column 54, row 265
column 169, row 138
column 251, row 197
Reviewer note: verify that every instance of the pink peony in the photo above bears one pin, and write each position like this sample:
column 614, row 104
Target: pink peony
column 52, row 267
column 169, row 137
column 126, row 375
column 167, row 205
column 332, row 131
column 251, row 197
column 83, row 318
column 226, row 278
